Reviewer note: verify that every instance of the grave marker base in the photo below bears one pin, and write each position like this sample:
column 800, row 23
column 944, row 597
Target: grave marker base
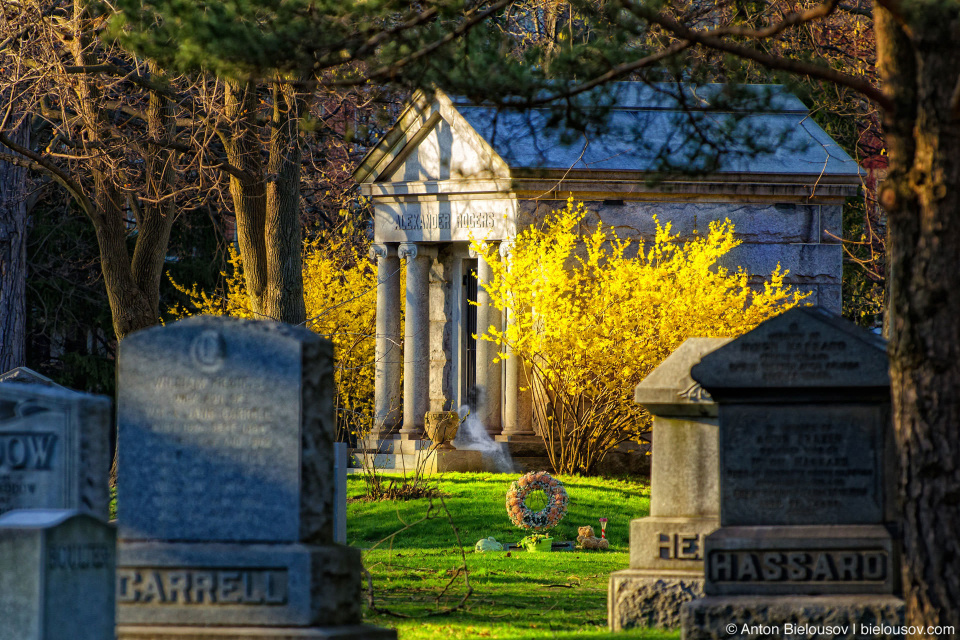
column 349, row 632
column 805, row 560
column 281, row 585
column 650, row 598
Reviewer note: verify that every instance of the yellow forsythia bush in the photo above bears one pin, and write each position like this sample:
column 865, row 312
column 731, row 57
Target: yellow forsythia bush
column 594, row 314
column 339, row 287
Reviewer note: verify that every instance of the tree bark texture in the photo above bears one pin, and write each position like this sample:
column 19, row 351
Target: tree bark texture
column 918, row 53
column 13, row 253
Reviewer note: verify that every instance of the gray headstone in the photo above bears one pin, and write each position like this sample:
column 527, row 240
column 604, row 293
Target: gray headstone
column 670, row 391
column 807, row 476
column 227, row 488
column 57, row 573
column 805, row 434
column 54, row 447
column 667, row 547
column 804, row 464
column 225, row 433
column 238, row 584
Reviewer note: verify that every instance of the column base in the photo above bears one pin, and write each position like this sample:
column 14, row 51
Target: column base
column 381, row 433
column 411, row 434
column 518, row 436
column 638, row 598
column 853, row 617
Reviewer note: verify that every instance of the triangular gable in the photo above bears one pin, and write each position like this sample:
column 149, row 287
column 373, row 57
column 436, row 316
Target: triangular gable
column 28, row 376
column 805, row 347
column 669, row 389
column 431, row 141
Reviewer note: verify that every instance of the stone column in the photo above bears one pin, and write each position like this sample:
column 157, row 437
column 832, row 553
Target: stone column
column 388, row 353
column 488, row 371
column 516, row 403
column 416, row 341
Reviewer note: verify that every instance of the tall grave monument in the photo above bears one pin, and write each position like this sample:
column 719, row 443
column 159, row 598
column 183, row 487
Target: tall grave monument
column 226, row 487
column 809, row 534
column 666, row 548
column 57, row 551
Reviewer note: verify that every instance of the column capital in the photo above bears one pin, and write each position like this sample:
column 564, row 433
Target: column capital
column 415, row 250
column 382, row 250
column 506, row 248
column 475, row 254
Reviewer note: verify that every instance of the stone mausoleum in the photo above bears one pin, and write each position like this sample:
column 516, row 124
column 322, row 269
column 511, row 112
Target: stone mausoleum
column 450, row 171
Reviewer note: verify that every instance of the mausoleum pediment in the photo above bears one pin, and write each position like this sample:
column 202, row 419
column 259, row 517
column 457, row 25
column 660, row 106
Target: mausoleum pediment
column 431, row 142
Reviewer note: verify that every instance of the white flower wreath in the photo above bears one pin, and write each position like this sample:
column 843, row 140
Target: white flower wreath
column 524, row 517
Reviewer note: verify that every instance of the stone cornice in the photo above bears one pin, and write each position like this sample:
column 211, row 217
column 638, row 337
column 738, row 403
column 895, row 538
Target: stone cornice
column 757, row 188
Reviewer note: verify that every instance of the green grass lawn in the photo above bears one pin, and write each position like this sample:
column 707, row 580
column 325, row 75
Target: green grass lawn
column 517, row 596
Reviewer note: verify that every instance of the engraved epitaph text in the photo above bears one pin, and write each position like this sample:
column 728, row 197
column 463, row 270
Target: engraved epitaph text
column 801, row 464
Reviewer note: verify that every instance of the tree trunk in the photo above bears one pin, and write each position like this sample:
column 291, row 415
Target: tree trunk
column 131, row 307
column 919, row 67
column 248, row 191
column 284, row 296
column 13, row 253
column 132, row 284
column 159, row 209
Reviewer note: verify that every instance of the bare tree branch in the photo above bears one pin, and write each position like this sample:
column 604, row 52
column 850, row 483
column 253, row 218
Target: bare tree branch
column 711, row 40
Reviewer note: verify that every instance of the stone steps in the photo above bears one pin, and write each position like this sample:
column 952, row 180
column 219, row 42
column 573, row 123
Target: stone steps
column 427, row 461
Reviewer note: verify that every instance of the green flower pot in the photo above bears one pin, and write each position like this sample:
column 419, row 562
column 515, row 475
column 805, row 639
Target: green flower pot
column 539, row 547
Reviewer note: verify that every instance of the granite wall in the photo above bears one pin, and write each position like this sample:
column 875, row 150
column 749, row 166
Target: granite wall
column 802, row 238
